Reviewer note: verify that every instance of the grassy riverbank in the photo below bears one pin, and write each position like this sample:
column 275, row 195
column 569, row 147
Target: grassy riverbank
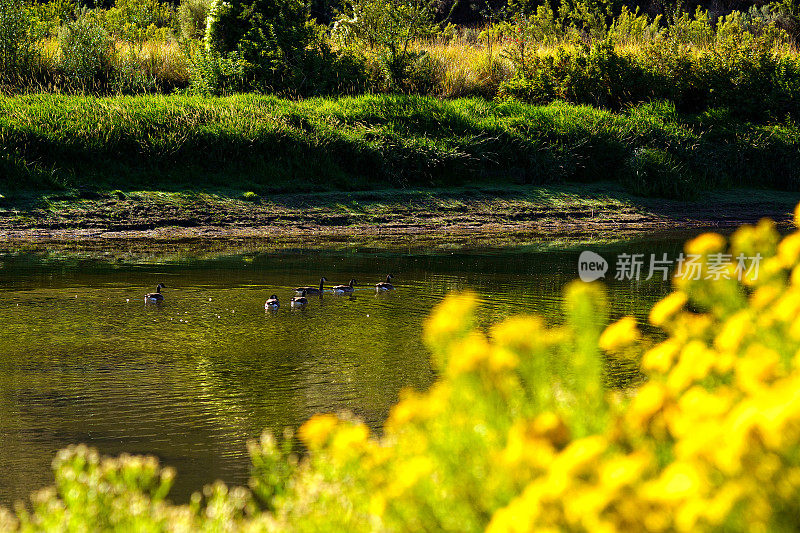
column 267, row 145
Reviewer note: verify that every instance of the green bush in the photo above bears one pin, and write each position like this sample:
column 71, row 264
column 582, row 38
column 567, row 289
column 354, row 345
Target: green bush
column 137, row 21
column 270, row 37
column 214, row 73
column 192, row 18
column 131, row 77
column 424, row 74
column 738, row 70
column 50, row 16
column 385, row 30
column 653, row 172
column 17, row 42
column 634, row 28
column 596, row 75
column 272, row 47
column 87, row 54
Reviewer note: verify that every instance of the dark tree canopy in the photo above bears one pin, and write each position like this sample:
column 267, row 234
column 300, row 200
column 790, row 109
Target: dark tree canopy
column 474, row 12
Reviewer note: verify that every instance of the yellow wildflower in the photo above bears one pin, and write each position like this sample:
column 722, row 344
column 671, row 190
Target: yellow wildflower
column 621, row 471
column 405, row 410
column 520, row 333
column 797, row 216
column 519, row 514
column 689, row 513
column 660, row 357
column 778, row 408
column 733, row 331
column 725, row 362
column 667, row 307
column 764, row 296
column 349, row 438
column 770, row 268
column 757, row 367
column 648, row 401
column 582, row 505
column 317, row 429
column 680, row 480
column 789, row 250
column 705, row 244
column 551, row 427
column 739, row 425
column 580, row 453
column 722, row 502
column 451, row 321
column 696, row 405
column 377, row 504
column 502, row 359
column 621, row 333
column 466, row 356
column 787, row 308
column 409, row 472
column 694, row 364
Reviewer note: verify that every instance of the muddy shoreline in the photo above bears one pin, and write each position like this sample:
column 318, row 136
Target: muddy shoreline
column 391, row 219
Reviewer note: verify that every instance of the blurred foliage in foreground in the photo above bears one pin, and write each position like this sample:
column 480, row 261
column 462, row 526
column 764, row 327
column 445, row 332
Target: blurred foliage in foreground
column 519, row 433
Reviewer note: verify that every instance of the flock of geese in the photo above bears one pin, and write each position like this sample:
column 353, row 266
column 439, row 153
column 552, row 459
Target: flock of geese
column 297, row 301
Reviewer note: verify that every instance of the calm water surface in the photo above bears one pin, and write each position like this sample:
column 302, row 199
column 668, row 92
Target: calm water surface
column 82, row 359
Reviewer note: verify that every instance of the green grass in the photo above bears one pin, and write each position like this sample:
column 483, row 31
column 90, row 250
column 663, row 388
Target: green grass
column 265, row 144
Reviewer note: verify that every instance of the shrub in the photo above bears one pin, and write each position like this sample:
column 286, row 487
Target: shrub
column 686, row 29
column 276, row 49
column 17, row 41
column 137, row 21
column 596, row 75
column 633, row 28
column 192, row 18
column 87, row 54
column 524, row 34
column 270, row 37
column 51, row 15
column 213, row 73
column 737, row 69
column 654, row 172
column 386, row 29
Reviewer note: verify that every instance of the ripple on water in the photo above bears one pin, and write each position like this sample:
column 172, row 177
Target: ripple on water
column 83, row 359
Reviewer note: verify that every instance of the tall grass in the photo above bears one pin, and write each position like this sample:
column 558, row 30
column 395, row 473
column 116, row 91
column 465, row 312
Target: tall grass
column 270, row 144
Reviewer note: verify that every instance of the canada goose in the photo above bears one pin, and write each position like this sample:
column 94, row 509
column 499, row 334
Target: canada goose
column 385, row 285
column 155, row 297
column 299, row 301
column 272, row 303
column 345, row 289
column 312, row 290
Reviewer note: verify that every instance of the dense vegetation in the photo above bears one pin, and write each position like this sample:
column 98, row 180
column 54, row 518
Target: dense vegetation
column 597, row 53
column 519, row 434
column 701, row 99
column 266, row 144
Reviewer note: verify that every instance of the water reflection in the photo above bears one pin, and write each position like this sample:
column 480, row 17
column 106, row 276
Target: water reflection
column 83, row 359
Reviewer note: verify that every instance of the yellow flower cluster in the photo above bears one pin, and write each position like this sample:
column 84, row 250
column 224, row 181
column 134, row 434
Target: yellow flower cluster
column 507, row 440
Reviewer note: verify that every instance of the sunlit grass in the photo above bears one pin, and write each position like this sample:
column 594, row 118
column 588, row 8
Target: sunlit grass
column 264, row 143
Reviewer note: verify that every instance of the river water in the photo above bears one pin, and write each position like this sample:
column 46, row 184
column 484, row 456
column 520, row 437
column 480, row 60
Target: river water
column 84, row 360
